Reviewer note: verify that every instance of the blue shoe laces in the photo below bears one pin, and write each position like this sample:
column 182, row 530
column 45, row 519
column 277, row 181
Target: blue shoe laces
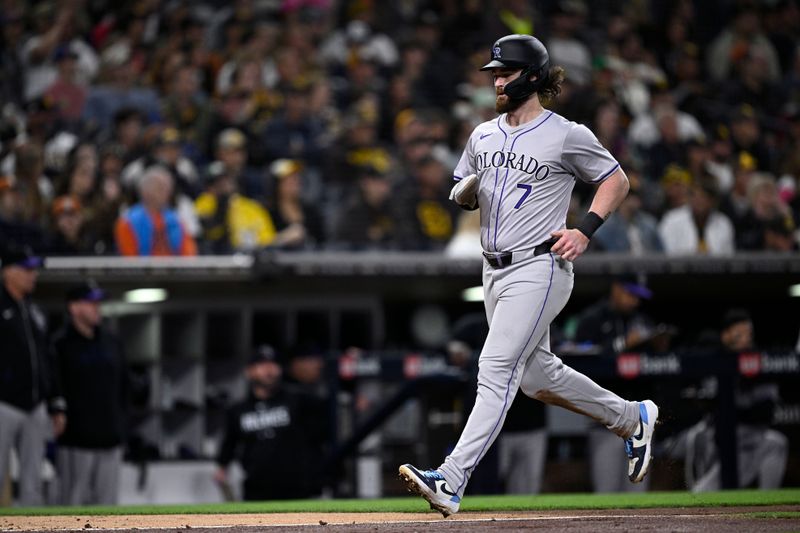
column 432, row 474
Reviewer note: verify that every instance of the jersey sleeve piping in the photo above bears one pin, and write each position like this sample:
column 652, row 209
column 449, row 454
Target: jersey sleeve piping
column 603, row 177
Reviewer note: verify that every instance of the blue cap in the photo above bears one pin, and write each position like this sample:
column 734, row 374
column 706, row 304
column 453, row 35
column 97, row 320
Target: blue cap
column 263, row 354
column 635, row 286
column 23, row 257
column 87, row 291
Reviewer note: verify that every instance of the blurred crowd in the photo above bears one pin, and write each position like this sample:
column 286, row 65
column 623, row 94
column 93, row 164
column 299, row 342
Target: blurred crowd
column 172, row 127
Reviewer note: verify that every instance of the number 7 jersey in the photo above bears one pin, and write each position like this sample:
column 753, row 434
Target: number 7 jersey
column 526, row 175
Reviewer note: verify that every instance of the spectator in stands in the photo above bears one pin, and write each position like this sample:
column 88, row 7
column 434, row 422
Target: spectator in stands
column 26, row 374
column 431, row 217
column 122, row 89
column 13, row 226
column 67, row 92
column 735, row 204
column 747, row 138
column 564, row 43
column 151, row 227
column 277, row 434
column 247, row 106
column 765, row 206
column 33, row 186
column 293, row 132
column 92, row 374
column 127, row 133
column 367, row 219
column 647, row 129
column 669, row 148
column 186, row 107
column 69, row 236
column 698, row 227
column 290, row 210
column 109, row 199
column 230, row 221
column 676, row 184
column 55, row 24
column 780, row 235
column 742, row 37
column 761, row 451
column 231, row 150
column 754, row 86
column 168, row 155
column 630, row 228
column 466, row 241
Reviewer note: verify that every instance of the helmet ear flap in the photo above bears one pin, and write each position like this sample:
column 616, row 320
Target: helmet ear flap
column 522, row 87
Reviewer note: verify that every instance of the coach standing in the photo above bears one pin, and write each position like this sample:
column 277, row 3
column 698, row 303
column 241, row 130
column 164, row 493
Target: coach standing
column 91, row 373
column 25, row 374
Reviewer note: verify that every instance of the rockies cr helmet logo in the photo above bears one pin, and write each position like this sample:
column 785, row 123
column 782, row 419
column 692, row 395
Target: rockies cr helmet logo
column 496, row 52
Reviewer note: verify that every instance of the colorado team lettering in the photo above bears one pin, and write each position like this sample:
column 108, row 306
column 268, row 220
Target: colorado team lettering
column 521, row 162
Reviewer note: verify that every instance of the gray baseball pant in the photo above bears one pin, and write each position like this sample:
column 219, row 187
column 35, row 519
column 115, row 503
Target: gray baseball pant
column 27, row 431
column 89, row 477
column 521, row 301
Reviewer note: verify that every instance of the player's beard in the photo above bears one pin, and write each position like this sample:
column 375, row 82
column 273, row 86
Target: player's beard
column 504, row 104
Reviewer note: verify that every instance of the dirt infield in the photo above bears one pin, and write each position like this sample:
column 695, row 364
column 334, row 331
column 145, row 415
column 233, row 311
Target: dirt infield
column 709, row 520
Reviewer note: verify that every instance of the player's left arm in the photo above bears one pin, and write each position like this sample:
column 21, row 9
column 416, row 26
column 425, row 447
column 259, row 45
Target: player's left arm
column 609, row 194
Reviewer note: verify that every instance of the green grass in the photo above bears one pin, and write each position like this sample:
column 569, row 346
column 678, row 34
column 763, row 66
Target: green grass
column 413, row 504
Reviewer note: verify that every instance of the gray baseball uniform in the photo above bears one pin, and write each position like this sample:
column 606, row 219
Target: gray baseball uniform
column 526, row 175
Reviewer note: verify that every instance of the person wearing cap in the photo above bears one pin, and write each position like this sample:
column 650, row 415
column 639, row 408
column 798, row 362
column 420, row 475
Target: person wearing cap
column 761, row 451
column 275, row 435
column 299, row 221
column 616, row 324
column 232, row 150
column 91, row 372
column 27, row 387
column 231, row 221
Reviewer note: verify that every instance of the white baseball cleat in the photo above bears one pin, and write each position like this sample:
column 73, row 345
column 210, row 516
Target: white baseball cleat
column 639, row 446
column 431, row 485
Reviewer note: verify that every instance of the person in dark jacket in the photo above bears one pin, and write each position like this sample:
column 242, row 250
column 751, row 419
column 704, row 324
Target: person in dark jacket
column 26, row 384
column 277, row 435
column 92, row 376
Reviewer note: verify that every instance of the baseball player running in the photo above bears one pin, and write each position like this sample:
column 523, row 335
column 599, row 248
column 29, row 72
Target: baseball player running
column 520, row 169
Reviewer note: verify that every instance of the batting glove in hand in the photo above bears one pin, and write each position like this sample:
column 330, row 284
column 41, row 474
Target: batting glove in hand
column 464, row 193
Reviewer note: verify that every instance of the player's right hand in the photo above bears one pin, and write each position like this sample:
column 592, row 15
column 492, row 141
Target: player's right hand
column 570, row 245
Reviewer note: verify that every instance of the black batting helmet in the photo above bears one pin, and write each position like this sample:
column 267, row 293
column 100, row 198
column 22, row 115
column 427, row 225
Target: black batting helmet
column 524, row 52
